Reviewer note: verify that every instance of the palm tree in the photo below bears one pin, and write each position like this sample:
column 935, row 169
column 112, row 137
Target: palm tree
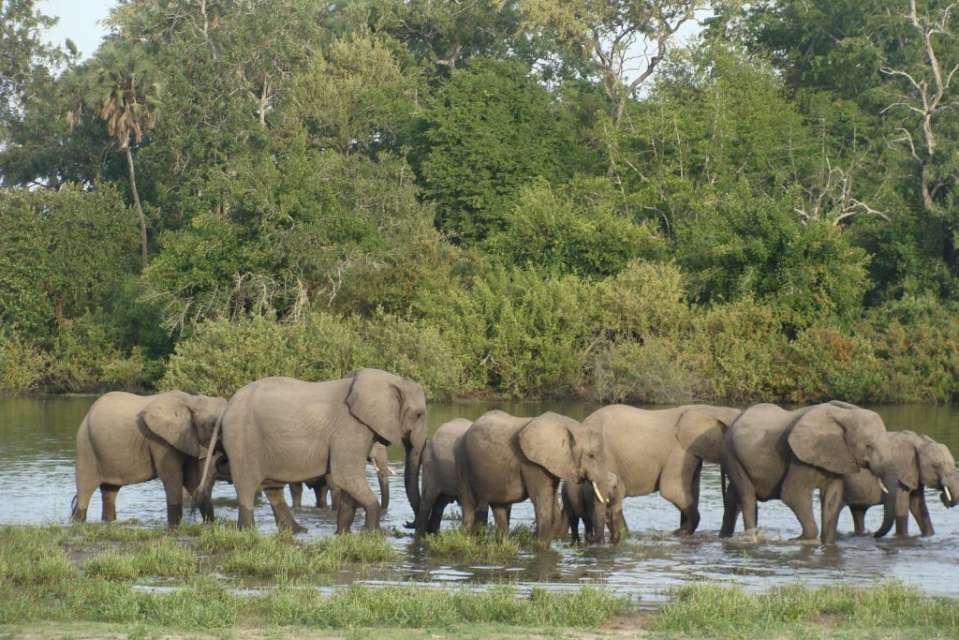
column 122, row 91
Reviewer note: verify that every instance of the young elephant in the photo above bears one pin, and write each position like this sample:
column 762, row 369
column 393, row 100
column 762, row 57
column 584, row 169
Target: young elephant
column 580, row 503
column 920, row 462
column 439, row 485
column 770, row 453
column 662, row 450
column 504, row 459
column 378, row 458
column 127, row 439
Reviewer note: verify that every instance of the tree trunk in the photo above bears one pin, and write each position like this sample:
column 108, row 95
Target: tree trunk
column 136, row 201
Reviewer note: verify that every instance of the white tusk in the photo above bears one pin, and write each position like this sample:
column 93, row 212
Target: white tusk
column 389, row 470
column 945, row 490
column 883, row 487
column 599, row 496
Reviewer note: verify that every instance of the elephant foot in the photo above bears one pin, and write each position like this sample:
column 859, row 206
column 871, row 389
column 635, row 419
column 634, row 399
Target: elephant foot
column 682, row 532
column 805, row 540
column 409, row 524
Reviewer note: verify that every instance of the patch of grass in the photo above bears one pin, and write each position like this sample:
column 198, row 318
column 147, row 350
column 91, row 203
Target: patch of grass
column 730, row 611
column 460, row 544
column 114, row 532
column 223, row 538
column 280, row 556
column 357, row 548
column 162, row 558
column 33, row 557
column 409, row 607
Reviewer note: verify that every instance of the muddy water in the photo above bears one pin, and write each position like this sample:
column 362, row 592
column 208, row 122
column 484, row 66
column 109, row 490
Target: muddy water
column 37, row 443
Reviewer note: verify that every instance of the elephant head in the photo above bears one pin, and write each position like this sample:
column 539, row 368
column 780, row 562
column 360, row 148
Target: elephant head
column 842, row 439
column 395, row 410
column 185, row 422
column 567, row 449
column 608, row 515
column 924, row 462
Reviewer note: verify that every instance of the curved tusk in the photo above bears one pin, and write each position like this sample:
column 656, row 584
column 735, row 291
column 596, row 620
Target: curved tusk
column 389, row 470
column 599, row 496
column 945, row 490
column 883, row 487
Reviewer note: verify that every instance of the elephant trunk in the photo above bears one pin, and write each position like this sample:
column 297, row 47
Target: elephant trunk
column 411, row 472
column 888, row 479
column 202, row 497
column 950, row 490
column 383, row 476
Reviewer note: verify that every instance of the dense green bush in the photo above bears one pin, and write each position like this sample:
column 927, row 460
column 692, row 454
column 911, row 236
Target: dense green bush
column 21, row 363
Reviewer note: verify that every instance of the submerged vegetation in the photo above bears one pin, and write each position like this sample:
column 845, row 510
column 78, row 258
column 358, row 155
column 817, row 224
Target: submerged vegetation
column 480, row 198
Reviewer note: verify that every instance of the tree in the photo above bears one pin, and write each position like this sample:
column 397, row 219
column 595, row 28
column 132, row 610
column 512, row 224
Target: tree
column 121, row 88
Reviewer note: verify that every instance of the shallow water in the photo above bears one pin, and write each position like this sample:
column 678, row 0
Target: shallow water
column 37, row 444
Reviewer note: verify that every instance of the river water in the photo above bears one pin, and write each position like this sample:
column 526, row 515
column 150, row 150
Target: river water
column 37, row 446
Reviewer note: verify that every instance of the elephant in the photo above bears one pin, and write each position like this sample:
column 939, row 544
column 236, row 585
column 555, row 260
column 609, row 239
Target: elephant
column 771, row 453
column 920, row 462
column 440, row 481
column 320, row 486
column 504, row 459
column 580, row 503
column 279, row 430
column 660, row 450
column 128, row 439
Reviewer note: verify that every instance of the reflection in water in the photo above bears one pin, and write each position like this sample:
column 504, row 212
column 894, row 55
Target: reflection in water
column 37, row 444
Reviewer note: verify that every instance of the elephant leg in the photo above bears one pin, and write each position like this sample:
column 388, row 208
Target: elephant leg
column 740, row 497
column 296, row 494
column 358, row 490
column 501, row 517
column 345, row 513
column 917, row 505
column 830, row 498
column 858, row 520
column 108, row 494
column 281, row 512
column 679, row 483
column 428, row 504
column 246, row 494
column 541, row 488
column 470, row 507
column 85, row 489
column 321, row 491
column 436, row 514
column 797, row 495
column 170, row 469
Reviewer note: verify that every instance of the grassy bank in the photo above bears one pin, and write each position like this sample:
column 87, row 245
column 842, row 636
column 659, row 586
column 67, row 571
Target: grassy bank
column 94, row 581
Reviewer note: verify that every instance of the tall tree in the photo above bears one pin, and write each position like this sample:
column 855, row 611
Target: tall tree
column 122, row 89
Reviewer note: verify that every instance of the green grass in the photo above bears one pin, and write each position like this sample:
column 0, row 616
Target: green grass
column 481, row 546
column 701, row 610
column 163, row 558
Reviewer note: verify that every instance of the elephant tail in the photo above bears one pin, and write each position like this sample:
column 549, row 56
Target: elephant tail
column 723, row 482
column 73, row 505
column 202, row 497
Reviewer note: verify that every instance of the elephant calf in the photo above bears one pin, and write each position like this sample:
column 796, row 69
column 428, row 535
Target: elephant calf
column 127, row 439
column 920, row 462
column 580, row 503
column 321, row 486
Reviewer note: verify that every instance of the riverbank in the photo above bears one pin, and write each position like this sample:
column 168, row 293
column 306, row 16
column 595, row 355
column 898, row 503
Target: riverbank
column 200, row 581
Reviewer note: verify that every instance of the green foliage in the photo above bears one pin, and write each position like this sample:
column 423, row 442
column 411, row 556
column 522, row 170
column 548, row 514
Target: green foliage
column 21, row 363
column 488, row 130
column 576, row 229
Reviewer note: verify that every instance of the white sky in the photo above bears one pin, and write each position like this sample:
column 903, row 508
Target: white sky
column 78, row 21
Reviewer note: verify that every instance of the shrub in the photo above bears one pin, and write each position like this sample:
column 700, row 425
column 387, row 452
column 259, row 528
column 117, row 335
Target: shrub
column 21, row 363
column 653, row 371
column 823, row 363
column 644, row 299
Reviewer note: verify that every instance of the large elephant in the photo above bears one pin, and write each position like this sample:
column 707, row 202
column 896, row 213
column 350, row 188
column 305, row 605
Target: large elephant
column 659, row 450
column 504, row 459
column 127, row 439
column 770, row 453
column 579, row 503
column 440, row 481
column 321, row 487
column 920, row 462
column 282, row 430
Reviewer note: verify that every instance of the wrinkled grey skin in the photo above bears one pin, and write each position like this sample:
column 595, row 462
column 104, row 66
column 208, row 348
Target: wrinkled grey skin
column 580, row 503
column 380, row 461
column 439, row 479
column 921, row 462
column 282, row 430
column 661, row 450
column 504, row 459
column 127, row 439
column 770, row 453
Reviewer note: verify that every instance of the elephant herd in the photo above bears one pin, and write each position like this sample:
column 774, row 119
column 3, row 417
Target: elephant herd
column 281, row 431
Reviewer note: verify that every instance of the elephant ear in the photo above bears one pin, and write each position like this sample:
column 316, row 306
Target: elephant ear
column 928, row 453
column 169, row 418
column 906, row 447
column 818, row 438
column 375, row 400
column 701, row 429
column 548, row 441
